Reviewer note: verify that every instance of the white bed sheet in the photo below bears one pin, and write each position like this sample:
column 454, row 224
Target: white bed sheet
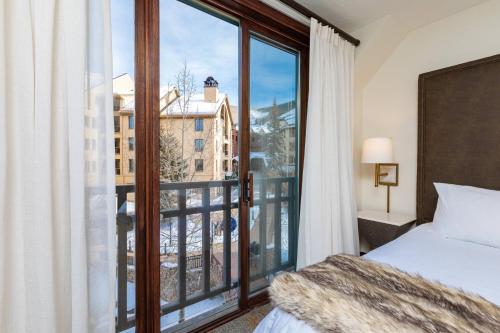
column 472, row 267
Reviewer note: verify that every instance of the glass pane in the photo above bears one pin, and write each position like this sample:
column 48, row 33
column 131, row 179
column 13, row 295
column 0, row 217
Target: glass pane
column 198, row 163
column 285, row 241
column 217, row 220
column 169, row 266
column 122, row 23
column 194, row 197
column 194, row 255
column 273, row 151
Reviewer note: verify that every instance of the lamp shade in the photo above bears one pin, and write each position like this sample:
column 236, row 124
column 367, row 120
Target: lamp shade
column 377, row 150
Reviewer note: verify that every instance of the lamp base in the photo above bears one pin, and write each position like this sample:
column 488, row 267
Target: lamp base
column 388, row 199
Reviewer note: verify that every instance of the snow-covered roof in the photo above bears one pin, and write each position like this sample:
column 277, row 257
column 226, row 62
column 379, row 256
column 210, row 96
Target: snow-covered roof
column 165, row 90
column 259, row 118
column 123, row 84
column 129, row 106
column 289, row 118
column 260, row 129
column 197, row 106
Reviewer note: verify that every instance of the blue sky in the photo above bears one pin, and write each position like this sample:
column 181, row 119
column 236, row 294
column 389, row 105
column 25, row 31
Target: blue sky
column 209, row 45
column 272, row 75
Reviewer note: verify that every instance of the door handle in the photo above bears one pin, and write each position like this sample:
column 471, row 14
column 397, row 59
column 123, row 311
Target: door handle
column 250, row 189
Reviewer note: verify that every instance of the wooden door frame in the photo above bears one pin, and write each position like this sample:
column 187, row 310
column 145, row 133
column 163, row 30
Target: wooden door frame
column 250, row 29
column 253, row 16
column 147, row 188
column 244, row 148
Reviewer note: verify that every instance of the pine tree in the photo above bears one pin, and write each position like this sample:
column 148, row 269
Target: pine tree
column 275, row 143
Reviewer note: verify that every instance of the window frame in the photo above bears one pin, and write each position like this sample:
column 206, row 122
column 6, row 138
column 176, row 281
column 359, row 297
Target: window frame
column 117, row 146
column 117, row 125
column 199, row 145
column 198, row 125
column 118, row 167
column 196, row 165
column 131, row 165
column 131, row 121
column 254, row 17
column 131, row 143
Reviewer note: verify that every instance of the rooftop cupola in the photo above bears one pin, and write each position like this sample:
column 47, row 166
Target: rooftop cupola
column 211, row 89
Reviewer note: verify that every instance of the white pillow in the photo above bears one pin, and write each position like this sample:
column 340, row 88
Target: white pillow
column 468, row 213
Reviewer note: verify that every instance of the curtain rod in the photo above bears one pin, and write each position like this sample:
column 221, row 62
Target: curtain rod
column 304, row 11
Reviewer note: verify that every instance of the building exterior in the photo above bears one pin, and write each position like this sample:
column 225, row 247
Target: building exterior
column 202, row 125
column 235, row 115
column 262, row 133
column 289, row 132
column 124, row 123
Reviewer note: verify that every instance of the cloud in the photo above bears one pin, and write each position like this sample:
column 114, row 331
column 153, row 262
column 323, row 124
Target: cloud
column 209, row 45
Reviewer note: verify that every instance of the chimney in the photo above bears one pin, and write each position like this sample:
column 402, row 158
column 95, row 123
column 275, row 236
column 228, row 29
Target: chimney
column 211, row 89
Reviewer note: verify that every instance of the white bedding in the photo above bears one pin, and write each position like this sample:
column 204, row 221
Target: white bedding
column 469, row 266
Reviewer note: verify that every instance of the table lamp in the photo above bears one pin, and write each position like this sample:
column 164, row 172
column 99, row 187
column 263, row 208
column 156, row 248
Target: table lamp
column 379, row 151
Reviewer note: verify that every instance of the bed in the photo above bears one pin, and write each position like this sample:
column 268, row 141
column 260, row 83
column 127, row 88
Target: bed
column 458, row 140
column 458, row 264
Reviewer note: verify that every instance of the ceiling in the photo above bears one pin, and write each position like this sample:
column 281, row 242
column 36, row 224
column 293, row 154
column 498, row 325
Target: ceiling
column 351, row 15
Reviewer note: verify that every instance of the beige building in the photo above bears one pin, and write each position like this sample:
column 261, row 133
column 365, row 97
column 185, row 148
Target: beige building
column 201, row 123
column 124, row 122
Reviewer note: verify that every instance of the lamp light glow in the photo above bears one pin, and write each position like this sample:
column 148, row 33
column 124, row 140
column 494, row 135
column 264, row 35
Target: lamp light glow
column 377, row 150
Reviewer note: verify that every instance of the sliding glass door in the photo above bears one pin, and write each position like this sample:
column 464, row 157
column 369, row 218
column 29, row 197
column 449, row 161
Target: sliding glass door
column 199, row 185
column 272, row 155
column 122, row 16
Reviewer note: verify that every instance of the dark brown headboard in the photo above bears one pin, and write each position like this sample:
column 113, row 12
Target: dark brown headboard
column 459, row 130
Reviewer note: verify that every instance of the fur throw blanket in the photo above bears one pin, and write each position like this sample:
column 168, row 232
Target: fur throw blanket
column 351, row 294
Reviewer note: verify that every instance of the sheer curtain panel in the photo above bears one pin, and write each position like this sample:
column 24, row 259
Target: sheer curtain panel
column 57, row 205
column 328, row 223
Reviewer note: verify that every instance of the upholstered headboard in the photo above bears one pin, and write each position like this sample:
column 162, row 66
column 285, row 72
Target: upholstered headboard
column 459, row 130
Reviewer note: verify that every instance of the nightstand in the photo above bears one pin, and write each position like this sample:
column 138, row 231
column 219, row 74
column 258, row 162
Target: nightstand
column 379, row 228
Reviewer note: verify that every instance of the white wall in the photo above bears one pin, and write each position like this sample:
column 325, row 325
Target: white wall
column 387, row 103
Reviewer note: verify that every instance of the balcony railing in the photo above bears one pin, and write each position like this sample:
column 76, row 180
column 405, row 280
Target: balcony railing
column 272, row 193
column 224, row 198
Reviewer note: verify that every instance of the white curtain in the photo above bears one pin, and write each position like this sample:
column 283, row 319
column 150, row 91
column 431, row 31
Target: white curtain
column 328, row 222
column 57, row 227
